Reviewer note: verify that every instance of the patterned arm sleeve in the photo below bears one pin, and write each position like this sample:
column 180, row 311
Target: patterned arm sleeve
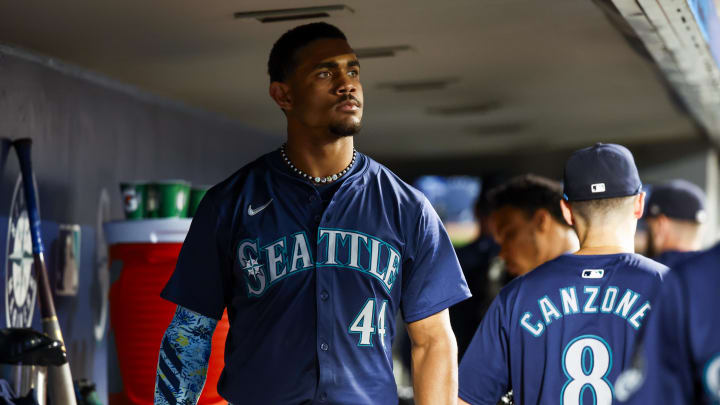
column 184, row 355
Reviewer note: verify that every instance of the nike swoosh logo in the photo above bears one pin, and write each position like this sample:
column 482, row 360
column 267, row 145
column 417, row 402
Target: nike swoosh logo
column 255, row 211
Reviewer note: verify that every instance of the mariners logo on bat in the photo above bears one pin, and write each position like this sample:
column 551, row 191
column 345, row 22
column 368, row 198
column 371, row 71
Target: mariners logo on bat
column 20, row 281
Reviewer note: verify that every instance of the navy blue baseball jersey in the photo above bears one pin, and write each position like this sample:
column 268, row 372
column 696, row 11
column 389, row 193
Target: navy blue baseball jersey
column 312, row 287
column 671, row 258
column 679, row 360
column 561, row 333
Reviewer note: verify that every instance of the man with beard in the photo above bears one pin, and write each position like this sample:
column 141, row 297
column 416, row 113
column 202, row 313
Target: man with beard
column 676, row 212
column 313, row 249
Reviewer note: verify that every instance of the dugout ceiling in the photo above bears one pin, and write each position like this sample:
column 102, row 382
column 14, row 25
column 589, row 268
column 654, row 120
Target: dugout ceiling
column 520, row 75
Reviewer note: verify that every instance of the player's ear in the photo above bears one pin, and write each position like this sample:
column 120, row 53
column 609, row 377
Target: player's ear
column 639, row 205
column 280, row 92
column 542, row 219
column 567, row 212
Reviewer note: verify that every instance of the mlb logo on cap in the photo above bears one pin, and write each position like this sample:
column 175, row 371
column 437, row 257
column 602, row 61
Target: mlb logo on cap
column 604, row 170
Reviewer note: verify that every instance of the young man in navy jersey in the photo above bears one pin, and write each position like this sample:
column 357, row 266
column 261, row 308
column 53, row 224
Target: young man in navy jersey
column 528, row 222
column 676, row 212
column 561, row 333
column 679, row 360
column 313, row 249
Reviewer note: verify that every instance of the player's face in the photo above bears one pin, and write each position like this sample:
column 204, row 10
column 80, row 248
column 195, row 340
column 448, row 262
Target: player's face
column 516, row 234
column 325, row 87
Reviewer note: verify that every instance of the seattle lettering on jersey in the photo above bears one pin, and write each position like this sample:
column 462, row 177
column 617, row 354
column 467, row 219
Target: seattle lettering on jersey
column 266, row 265
column 590, row 301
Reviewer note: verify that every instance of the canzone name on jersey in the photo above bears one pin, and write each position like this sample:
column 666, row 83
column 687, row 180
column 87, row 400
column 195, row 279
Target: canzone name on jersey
column 560, row 333
column 313, row 285
column 594, row 299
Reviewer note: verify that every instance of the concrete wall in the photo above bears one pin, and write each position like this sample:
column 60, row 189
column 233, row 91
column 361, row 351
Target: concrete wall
column 89, row 134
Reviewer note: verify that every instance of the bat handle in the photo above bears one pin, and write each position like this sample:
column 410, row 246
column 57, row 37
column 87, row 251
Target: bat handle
column 23, row 147
column 47, row 305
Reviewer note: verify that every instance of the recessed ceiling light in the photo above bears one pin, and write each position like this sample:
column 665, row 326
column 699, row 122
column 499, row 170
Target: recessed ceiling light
column 292, row 14
column 419, row 85
column 501, row 128
column 380, row 51
column 467, row 109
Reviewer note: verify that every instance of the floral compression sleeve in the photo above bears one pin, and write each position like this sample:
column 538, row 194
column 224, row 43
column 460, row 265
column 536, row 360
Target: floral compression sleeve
column 184, row 355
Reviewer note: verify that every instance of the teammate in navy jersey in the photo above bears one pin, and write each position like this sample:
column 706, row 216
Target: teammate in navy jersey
column 676, row 212
column 679, row 360
column 528, row 222
column 561, row 333
column 313, row 249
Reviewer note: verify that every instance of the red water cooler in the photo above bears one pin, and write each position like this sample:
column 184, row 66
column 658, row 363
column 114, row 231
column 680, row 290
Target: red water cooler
column 147, row 250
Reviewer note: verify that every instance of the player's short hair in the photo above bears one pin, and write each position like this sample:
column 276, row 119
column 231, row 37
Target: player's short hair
column 603, row 209
column 282, row 61
column 529, row 193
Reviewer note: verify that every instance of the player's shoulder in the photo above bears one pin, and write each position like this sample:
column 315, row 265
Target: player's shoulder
column 233, row 185
column 631, row 264
column 548, row 272
column 703, row 265
column 554, row 268
column 380, row 178
column 647, row 265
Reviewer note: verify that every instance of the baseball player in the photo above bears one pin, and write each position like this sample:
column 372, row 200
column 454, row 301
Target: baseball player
column 529, row 226
column 528, row 222
column 679, row 361
column 562, row 332
column 313, row 249
column 676, row 212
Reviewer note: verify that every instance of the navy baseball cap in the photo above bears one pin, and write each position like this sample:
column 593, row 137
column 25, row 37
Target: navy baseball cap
column 678, row 199
column 605, row 170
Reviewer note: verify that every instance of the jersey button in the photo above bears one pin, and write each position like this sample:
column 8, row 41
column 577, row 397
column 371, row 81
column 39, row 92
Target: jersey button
column 312, row 198
column 324, row 295
column 323, row 396
column 317, row 218
column 324, row 346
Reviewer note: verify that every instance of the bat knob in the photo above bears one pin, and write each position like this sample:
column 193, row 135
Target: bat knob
column 29, row 347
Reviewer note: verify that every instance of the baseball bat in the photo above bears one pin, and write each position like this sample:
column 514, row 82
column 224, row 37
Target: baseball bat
column 60, row 380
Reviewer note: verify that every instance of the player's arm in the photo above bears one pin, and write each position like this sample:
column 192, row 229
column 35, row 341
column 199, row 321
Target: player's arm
column 184, row 355
column 484, row 374
column 434, row 360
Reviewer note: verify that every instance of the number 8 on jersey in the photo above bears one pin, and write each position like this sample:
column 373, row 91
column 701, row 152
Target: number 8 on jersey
column 587, row 361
